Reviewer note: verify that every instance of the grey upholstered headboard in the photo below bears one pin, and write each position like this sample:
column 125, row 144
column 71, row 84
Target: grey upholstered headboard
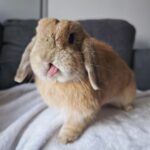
column 15, row 35
column 141, row 66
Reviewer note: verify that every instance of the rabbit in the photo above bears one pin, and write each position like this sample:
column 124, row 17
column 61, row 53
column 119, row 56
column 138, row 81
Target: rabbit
column 76, row 73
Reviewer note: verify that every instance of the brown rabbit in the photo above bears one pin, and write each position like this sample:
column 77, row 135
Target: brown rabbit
column 76, row 73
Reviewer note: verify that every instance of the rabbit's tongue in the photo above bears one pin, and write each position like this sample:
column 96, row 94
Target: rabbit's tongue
column 52, row 70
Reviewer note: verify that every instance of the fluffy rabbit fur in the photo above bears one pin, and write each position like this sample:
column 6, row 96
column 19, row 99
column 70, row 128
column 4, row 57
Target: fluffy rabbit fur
column 76, row 73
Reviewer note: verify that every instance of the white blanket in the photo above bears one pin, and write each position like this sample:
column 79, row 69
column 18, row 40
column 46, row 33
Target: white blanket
column 26, row 123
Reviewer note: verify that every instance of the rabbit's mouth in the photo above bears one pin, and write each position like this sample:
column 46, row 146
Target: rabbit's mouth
column 53, row 70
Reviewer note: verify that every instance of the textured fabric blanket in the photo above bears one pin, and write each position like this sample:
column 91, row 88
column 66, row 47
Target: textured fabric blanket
column 26, row 123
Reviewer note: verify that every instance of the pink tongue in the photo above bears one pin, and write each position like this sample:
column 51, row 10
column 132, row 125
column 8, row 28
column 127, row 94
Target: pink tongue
column 53, row 70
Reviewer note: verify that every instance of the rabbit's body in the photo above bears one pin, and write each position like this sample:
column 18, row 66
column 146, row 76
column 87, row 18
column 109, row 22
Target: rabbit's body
column 80, row 101
column 78, row 78
column 110, row 80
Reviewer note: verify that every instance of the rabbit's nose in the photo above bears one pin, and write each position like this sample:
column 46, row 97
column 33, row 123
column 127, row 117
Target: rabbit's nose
column 52, row 41
column 60, row 41
column 60, row 44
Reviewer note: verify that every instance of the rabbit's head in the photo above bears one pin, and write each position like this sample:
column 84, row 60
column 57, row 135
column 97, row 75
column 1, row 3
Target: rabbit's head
column 61, row 51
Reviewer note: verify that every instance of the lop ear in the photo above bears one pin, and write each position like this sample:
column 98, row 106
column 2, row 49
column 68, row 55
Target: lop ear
column 89, row 61
column 24, row 68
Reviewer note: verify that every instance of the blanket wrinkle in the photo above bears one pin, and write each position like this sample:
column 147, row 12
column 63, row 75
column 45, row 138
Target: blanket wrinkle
column 26, row 123
column 17, row 128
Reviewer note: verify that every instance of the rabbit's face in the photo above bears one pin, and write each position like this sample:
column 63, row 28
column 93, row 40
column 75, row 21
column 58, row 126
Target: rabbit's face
column 60, row 51
column 57, row 53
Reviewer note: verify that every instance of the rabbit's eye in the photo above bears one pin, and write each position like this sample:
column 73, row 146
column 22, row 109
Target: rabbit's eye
column 71, row 38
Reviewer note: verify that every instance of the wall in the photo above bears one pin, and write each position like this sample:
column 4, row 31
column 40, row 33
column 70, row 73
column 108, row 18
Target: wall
column 23, row 9
column 136, row 12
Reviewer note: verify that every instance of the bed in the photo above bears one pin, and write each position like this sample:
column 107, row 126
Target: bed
column 26, row 123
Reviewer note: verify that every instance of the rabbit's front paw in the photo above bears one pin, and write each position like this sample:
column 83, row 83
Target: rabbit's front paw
column 68, row 136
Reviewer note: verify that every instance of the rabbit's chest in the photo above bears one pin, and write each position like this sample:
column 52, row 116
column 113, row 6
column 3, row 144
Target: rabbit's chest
column 67, row 95
column 56, row 97
column 59, row 96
